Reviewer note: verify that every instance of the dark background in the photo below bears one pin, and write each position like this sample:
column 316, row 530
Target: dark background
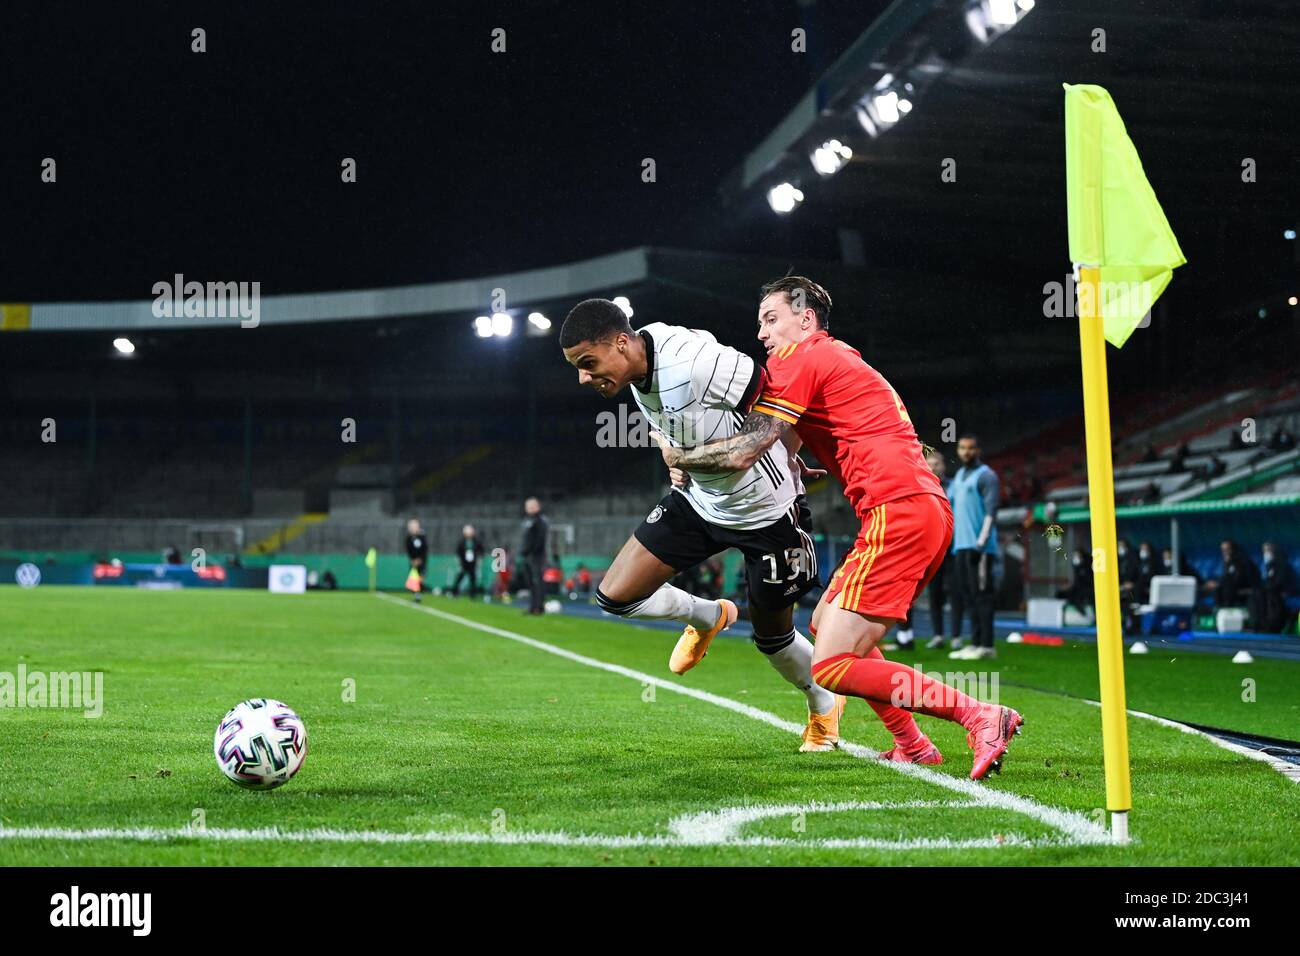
column 226, row 166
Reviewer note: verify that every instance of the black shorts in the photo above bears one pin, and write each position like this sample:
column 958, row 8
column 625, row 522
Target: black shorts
column 780, row 560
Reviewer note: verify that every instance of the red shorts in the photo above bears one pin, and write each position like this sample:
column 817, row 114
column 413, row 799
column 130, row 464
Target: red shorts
column 900, row 549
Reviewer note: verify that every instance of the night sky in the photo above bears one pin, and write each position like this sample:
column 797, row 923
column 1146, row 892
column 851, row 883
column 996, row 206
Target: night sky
column 226, row 164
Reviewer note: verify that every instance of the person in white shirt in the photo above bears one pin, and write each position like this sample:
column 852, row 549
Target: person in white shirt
column 693, row 390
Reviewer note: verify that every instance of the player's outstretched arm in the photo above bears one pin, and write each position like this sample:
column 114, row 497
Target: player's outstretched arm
column 758, row 433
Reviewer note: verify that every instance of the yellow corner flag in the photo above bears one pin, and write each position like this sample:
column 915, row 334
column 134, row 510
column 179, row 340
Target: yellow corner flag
column 1116, row 223
column 1126, row 254
column 372, row 558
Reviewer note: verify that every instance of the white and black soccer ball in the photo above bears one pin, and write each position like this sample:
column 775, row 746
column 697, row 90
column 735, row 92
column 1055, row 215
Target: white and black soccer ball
column 260, row 744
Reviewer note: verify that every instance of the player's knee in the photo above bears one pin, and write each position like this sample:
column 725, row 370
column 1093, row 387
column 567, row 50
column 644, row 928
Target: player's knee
column 773, row 643
column 620, row 608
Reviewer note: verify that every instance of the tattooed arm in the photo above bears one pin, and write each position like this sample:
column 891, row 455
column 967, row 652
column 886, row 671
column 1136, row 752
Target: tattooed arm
column 759, row 433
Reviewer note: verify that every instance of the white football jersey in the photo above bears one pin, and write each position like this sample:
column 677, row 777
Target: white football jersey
column 696, row 393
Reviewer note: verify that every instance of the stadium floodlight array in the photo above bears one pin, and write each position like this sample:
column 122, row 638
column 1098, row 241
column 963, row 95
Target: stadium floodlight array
column 876, row 83
column 783, row 197
column 124, row 346
column 884, row 105
column 989, row 19
column 537, row 325
column 880, row 108
column 501, row 325
column 829, row 158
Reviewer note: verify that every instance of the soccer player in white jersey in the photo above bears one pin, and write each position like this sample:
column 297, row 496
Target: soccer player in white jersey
column 693, row 390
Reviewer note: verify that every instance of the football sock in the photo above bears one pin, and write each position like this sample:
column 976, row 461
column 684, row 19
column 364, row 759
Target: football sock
column 898, row 722
column 888, row 682
column 667, row 604
column 790, row 654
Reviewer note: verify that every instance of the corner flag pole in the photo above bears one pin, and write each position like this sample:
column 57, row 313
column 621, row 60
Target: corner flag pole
column 1105, row 569
column 1126, row 253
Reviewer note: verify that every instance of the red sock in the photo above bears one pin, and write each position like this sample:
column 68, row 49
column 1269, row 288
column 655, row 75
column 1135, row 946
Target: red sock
column 874, row 678
column 898, row 722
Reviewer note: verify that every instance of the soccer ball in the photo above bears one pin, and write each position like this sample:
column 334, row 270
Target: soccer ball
column 260, row 744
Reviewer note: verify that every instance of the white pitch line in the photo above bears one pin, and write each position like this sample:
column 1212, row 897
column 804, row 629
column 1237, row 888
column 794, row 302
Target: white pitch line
column 522, row 838
column 1286, row 769
column 723, row 825
column 1077, row 828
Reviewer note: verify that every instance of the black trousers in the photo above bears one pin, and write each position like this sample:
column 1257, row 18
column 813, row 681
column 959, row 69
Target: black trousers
column 1268, row 610
column 469, row 571
column 536, row 566
column 938, row 592
column 957, row 595
column 979, row 589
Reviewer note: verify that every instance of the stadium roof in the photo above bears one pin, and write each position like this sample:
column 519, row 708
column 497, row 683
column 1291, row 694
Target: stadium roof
column 571, row 281
column 1203, row 86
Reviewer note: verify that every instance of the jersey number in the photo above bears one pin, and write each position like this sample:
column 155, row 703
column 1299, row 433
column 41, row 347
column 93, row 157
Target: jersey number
column 898, row 403
column 795, row 559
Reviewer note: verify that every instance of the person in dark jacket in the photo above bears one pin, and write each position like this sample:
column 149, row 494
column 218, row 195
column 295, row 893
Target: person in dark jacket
column 1184, row 566
column 1129, row 568
column 1239, row 578
column 1148, row 566
column 532, row 551
column 468, row 553
column 1129, row 572
column 1079, row 594
column 417, row 552
column 1277, row 582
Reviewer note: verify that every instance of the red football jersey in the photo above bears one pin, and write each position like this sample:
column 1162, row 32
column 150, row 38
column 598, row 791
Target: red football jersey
column 850, row 417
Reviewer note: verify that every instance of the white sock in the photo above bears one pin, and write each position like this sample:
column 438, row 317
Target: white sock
column 674, row 604
column 791, row 655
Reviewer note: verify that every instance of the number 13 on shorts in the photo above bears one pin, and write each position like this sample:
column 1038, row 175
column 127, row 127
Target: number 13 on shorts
column 796, row 559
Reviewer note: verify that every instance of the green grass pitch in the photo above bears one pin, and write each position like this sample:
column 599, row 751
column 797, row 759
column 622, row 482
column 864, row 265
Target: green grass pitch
column 464, row 746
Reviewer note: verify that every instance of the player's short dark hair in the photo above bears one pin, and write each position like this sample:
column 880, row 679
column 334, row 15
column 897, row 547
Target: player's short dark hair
column 593, row 320
column 814, row 296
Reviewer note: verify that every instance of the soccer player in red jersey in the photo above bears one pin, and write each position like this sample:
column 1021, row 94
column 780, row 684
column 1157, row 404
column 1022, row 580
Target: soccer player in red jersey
column 856, row 425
